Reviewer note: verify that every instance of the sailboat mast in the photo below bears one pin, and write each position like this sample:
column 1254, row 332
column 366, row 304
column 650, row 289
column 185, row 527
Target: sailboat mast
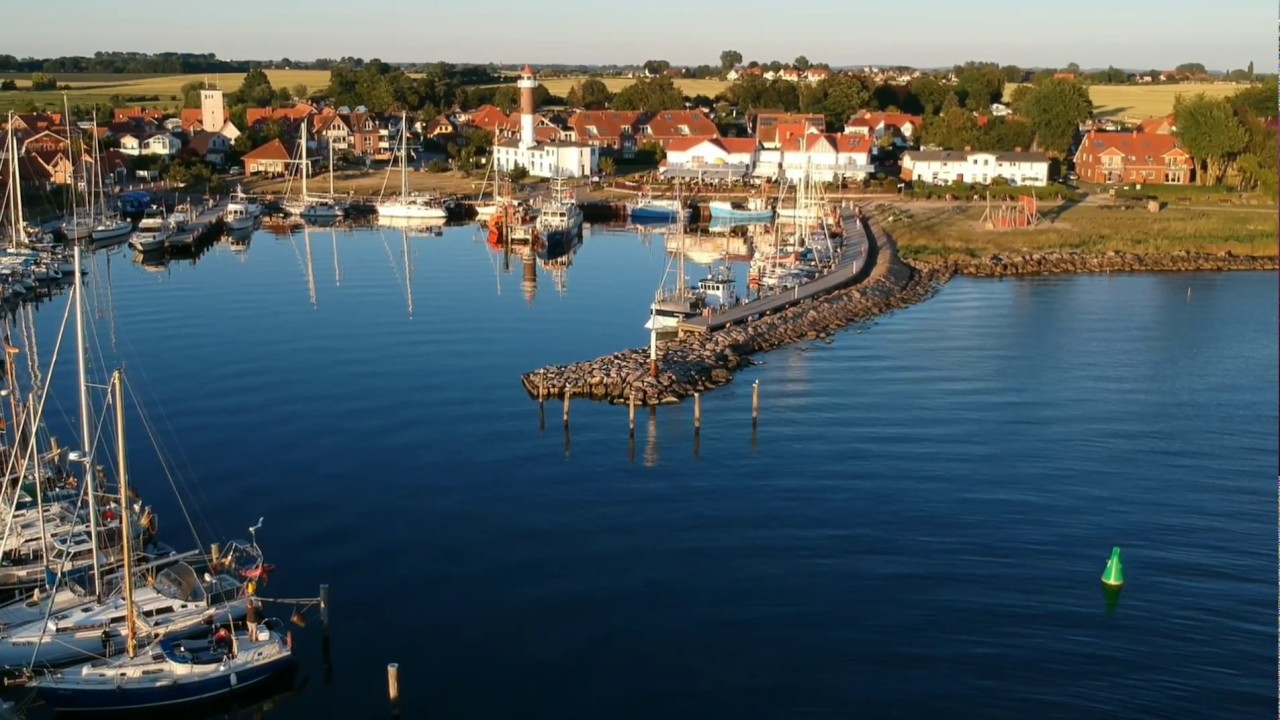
column 408, row 272
column 305, row 162
column 44, row 536
column 330, row 170
column 131, row 643
column 404, row 155
column 12, row 154
column 85, row 427
column 19, row 223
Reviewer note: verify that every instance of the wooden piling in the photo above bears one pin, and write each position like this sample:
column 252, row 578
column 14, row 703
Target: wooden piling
column 324, row 607
column 566, row 408
column 393, row 686
column 697, row 413
column 631, row 416
column 755, row 402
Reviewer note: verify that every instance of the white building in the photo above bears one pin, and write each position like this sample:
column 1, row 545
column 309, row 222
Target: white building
column 711, row 158
column 213, row 115
column 130, row 144
column 164, row 145
column 943, row 167
column 825, row 156
column 548, row 159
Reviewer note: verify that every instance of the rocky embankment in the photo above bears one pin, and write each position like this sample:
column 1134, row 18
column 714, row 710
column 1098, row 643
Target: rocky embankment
column 695, row 363
column 1051, row 263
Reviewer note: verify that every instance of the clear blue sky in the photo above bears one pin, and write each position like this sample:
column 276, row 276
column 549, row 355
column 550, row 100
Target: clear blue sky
column 924, row 33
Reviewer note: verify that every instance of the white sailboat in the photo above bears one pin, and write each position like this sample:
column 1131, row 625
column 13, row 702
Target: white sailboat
column 406, row 204
column 306, row 206
column 107, row 224
column 676, row 301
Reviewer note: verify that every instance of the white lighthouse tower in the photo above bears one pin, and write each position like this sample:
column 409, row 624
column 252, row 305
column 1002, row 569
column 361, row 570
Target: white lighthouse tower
column 527, row 84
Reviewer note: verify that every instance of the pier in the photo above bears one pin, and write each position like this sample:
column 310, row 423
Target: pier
column 706, row 356
column 854, row 257
column 207, row 223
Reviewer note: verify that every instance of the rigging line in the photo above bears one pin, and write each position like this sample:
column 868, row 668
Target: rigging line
column 150, row 431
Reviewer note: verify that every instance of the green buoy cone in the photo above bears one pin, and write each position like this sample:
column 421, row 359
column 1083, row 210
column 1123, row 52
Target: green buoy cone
column 1113, row 575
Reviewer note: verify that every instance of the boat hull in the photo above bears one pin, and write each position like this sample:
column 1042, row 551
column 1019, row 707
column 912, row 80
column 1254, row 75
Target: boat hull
column 412, row 213
column 746, row 217
column 107, row 698
column 114, row 232
column 243, row 222
column 653, row 213
column 321, row 213
column 147, row 243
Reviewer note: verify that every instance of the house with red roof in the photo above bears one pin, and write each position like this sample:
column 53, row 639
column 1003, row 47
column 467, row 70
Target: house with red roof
column 125, row 114
column 711, row 158
column 826, row 156
column 943, row 167
column 1158, row 125
column 816, row 75
column 270, row 159
column 664, row 126
column 1150, row 158
column 613, row 131
column 901, row 126
column 771, row 127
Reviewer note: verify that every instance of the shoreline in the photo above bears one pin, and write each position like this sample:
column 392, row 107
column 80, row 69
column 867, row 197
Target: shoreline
column 695, row 363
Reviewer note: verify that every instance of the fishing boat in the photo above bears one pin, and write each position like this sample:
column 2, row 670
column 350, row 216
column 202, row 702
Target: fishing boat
column 754, row 210
column 718, row 288
column 560, row 218
column 407, row 204
column 675, row 301
column 647, row 208
column 153, row 230
column 236, row 216
column 249, row 203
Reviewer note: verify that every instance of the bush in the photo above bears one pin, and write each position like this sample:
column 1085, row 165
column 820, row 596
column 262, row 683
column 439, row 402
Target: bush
column 437, row 166
column 518, row 173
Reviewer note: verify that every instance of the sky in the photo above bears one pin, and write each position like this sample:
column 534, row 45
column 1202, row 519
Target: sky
column 1135, row 34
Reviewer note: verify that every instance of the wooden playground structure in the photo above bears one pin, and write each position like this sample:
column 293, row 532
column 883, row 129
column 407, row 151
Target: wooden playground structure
column 1011, row 213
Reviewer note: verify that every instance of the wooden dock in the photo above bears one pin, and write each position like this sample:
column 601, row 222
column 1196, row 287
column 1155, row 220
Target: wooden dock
column 856, row 256
column 207, row 222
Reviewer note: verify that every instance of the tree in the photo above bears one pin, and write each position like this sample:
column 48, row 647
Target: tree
column 8, row 84
column 929, row 94
column 43, row 81
column 1257, row 100
column 1073, row 68
column 955, row 128
column 1211, row 133
column 299, row 91
column 591, row 94
column 1055, row 109
column 980, row 87
column 656, row 67
column 1250, row 70
column 1011, row 73
column 659, row 93
column 517, row 173
column 608, row 166
column 842, row 96
column 730, row 59
column 801, row 63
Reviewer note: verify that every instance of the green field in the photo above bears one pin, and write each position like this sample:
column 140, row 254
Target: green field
column 96, row 88
column 1135, row 102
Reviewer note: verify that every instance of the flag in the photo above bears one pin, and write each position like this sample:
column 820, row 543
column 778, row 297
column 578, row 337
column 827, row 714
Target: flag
column 297, row 619
column 8, row 347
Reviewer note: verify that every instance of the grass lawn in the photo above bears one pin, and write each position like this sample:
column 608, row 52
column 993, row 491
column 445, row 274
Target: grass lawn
column 955, row 231
column 370, row 183
column 689, row 86
column 96, row 88
column 1143, row 101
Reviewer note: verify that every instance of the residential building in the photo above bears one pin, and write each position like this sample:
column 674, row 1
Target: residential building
column 664, row 126
column 125, row 114
column 130, row 144
column 163, row 144
column 817, row 75
column 902, row 127
column 771, row 127
column 825, row 156
column 1152, row 158
column 711, row 158
column 269, row 159
column 54, row 140
column 541, row 158
column 53, row 166
column 943, row 167
column 613, row 131
column 1158, row 125
column 213, row 147
column 334, row 129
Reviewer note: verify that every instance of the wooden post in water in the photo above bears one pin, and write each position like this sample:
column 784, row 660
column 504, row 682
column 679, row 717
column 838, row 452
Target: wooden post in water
column 631, row 415
column 697, row 413
column 215, row 555
column 755, row 403
column 324, row 608
column 566, row 407
column 393, row 687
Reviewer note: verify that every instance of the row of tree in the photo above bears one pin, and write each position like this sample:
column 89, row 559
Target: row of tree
column 167, row 63
column 1233, row 139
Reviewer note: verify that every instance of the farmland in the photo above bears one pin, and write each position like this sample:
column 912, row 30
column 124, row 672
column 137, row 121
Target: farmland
column 1143, row 101
column 96, row 88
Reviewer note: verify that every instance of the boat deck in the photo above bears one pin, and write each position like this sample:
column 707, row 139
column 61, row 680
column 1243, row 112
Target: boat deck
column 198, row 226
column 853, row 261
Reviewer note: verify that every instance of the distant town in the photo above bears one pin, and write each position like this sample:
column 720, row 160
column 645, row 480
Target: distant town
column 197, row 120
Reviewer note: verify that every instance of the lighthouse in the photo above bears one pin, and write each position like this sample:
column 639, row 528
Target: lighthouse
column 527, row 84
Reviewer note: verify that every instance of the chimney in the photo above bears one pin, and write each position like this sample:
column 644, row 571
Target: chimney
column 1018, row 149
column 1135, row 133
column 967, row 148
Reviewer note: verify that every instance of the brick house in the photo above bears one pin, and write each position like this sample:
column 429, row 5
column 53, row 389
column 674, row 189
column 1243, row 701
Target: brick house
column 1122, row 157
column 771, row 127
column 613, row 131
column 334, row 128
column 269, row 159
column 1158, row 125
column 46, row 141
column 901, row 127
column 663, row 126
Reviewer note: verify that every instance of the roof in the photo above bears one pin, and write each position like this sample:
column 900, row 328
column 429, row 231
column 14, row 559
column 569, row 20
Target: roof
column 607, row 123
column 890, row 119
column 1156, row 124
column 527, row 71
column 202, row 141
column 273, row 150
column 733, row 146
column 667, row 124
column 768, row 125
column 1131, row 144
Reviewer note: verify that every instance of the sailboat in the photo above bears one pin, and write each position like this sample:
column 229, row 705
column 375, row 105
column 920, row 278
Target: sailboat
column 677, row 301
column 107, row 224
column 305, row 206
column 171, row 671
column 22, row 234
column 407, row 205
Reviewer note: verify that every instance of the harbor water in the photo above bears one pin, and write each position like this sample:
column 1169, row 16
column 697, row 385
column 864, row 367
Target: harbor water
column 916, row 529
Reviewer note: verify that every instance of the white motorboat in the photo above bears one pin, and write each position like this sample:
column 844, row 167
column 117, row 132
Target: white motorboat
column 153, row 231
column 249, row 203
column 237, row 217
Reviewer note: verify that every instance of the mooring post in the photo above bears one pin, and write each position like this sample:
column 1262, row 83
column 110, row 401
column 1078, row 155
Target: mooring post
column 631, row 415
column 215, row 555
column 697, row 413
column 324, row 608
column 566, row 407
column 755, row 403
column 393, row 687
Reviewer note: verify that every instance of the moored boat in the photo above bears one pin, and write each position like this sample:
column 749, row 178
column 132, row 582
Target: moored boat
column 754, row 210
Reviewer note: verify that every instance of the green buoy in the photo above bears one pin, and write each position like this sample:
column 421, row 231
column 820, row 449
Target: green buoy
column 1113, row 575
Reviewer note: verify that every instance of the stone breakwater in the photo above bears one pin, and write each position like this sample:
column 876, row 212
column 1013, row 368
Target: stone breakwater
column 1075, row 262
column 699, row 362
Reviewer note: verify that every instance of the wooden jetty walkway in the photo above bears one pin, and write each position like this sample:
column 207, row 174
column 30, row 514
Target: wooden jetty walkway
column 856, row 256
column 207, row 221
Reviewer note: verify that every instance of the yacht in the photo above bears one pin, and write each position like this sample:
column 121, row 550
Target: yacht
column 250, row 204
column 153, row 231
column 406, row 204
column 237, row 216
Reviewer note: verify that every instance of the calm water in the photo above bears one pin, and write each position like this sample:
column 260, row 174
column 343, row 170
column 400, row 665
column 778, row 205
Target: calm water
column 916, row 531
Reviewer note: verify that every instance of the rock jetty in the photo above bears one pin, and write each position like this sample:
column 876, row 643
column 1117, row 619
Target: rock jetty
column 699, row 362
column 1052, row 263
